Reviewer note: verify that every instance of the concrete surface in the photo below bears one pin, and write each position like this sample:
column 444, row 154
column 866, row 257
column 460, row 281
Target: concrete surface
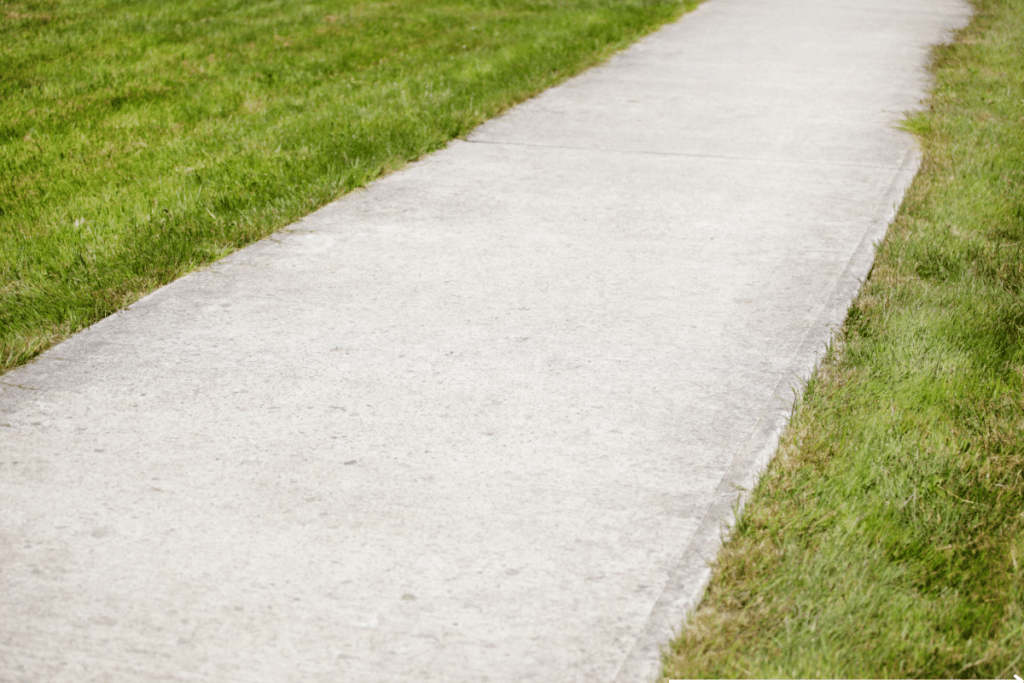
column 482, row 421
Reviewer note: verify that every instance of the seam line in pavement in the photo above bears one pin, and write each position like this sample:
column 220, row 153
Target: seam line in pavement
column 18, row 386
column 894, row 167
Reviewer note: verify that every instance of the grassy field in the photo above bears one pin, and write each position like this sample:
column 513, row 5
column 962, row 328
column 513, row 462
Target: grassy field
column 887, row 538
column 141, row 139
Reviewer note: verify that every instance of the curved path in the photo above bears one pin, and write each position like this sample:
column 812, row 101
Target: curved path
column 483, row 420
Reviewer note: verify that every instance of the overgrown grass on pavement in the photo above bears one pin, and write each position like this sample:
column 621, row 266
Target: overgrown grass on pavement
column 139, row 140
column 887, row 538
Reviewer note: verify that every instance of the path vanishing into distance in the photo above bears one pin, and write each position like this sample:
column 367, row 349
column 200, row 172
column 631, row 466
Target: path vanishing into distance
column 483, row 420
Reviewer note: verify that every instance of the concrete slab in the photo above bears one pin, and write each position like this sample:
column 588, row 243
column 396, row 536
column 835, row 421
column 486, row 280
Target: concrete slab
column 483, row 420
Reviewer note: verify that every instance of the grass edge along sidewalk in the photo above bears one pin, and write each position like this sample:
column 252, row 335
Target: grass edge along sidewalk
column 886, row 539
column 139, row 142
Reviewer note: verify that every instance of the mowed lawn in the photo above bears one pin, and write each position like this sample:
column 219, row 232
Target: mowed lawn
column 886, row 539
column 140, row 139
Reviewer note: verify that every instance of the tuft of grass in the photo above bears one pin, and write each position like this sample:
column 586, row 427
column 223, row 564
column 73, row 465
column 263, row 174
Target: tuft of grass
column 886, row 540
column 140, row 140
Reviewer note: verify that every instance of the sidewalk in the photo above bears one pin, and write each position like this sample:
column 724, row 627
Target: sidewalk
column 483, row 420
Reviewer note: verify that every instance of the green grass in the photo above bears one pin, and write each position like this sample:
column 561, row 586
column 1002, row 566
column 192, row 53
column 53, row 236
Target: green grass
column 140, row 139
column 887, row 538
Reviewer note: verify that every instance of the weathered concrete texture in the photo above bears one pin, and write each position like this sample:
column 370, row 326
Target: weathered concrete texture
column 481, row 421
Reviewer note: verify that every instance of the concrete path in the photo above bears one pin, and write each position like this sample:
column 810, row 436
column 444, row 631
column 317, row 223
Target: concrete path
column 481, row 421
